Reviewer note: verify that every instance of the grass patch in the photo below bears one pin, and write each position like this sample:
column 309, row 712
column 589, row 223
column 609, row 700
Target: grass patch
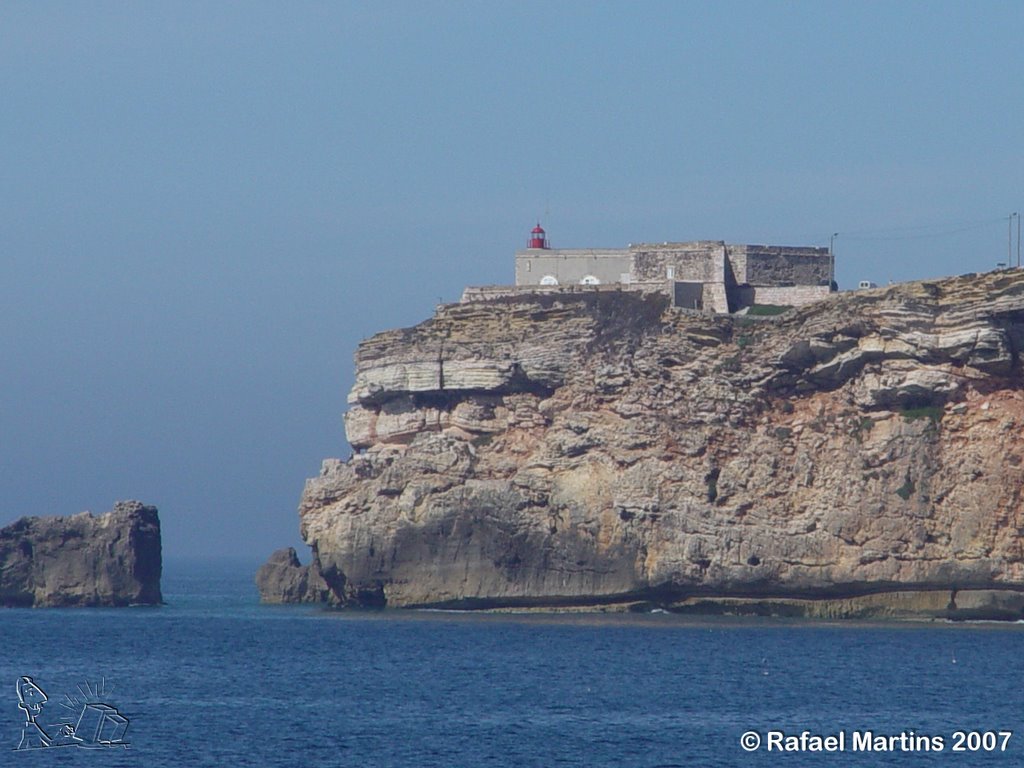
column 933, row 412
column 766, row 310
column 712, row 480
column 862, row 426
column 482, row 439
column 905, row 490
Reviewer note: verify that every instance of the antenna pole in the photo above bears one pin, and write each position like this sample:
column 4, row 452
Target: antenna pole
column 1009, row 239
column 832, row 260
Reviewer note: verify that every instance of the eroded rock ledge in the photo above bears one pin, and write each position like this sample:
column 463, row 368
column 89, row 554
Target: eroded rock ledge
column 113, row 559
column 607, row 449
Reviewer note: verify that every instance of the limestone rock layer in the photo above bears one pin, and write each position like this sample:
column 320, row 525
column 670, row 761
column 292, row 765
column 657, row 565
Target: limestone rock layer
column 581, row 450
column 113, row 559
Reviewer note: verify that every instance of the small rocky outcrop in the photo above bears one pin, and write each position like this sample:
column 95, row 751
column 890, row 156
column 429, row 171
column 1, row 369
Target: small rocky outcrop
column 283, row 579
column 860, row 456
column 113, row 559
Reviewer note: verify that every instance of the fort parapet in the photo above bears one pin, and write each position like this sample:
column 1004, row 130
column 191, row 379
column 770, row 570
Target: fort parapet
column 708, row 275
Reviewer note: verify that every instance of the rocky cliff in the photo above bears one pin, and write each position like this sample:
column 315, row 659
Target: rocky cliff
column 283, row 579
column 858, row 456
column 112, row 559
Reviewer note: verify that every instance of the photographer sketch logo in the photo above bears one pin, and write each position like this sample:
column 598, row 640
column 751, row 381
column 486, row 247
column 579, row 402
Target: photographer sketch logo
column 85, row 719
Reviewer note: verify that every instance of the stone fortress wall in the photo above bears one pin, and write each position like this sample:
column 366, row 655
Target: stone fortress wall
column 706, row 275
column 572, row 266
column 775, row 265
column 785, row 296
column 699, row 262
column 472, row 293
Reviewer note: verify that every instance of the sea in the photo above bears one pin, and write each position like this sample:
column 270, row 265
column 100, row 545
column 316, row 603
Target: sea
column 214, row 678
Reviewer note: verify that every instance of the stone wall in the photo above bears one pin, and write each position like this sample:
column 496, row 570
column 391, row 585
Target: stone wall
column 785, row 296
column 724, row 271
column 571, row 266
column 716, row 298
column 474, row 293
column 702, row 262
column 780, row 265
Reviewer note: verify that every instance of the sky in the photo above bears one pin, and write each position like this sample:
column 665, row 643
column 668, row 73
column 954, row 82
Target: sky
column 206, row 206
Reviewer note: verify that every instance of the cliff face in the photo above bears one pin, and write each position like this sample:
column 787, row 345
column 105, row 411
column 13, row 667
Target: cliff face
column 112, row 559
column 606, row 448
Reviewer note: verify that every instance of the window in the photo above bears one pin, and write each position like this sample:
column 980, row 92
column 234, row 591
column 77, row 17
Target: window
column 589, row 280
column 549, row 280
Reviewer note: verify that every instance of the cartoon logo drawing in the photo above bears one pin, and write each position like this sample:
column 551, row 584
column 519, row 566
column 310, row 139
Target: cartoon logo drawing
column 88, row 722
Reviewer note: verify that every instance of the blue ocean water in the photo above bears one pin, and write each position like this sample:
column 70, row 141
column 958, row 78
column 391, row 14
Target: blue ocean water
column 215, row 679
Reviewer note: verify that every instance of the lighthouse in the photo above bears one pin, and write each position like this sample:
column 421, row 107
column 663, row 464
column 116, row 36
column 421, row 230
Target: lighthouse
column 538, row 238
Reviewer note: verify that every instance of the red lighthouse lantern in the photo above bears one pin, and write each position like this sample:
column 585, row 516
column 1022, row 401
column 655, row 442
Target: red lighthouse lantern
column 538, row 238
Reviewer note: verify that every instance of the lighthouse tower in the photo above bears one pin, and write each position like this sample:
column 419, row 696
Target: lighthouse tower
column 538, row 238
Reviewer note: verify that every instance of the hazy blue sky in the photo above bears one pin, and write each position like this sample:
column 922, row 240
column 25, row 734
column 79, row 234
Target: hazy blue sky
column 207, row 205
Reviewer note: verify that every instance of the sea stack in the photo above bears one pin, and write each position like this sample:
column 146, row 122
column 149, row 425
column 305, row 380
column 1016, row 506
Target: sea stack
column 113, row 559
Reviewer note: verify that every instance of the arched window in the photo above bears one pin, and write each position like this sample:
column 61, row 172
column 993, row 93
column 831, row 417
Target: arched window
column 589, row 280
column 549, row 280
